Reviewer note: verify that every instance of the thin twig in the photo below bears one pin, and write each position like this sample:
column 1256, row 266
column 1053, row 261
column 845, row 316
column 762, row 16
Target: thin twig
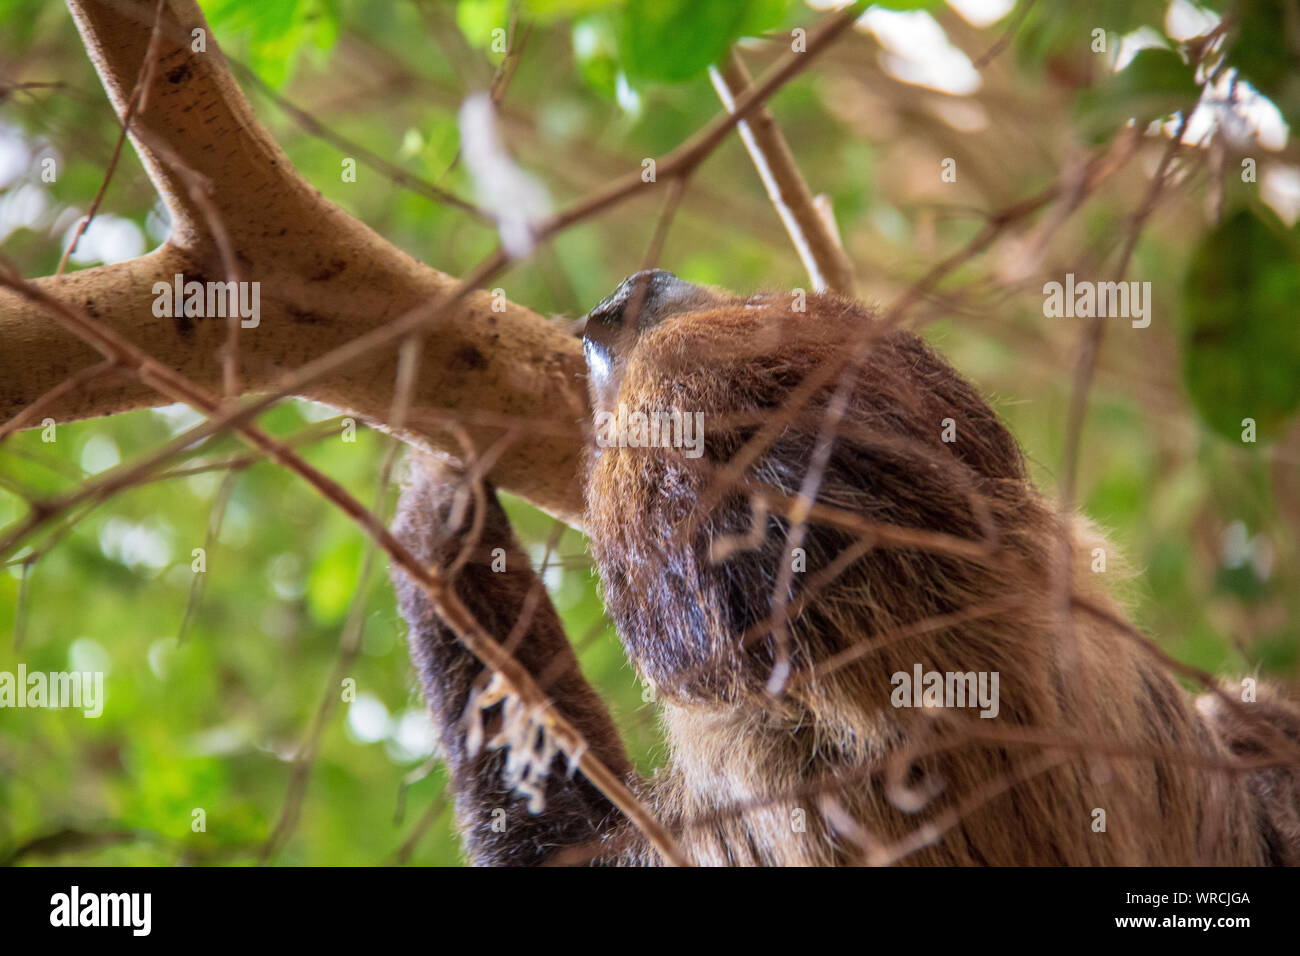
column 823, row 257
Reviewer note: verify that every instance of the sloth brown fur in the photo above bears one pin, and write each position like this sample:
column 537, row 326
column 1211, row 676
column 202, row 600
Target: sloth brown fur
column 825, row 771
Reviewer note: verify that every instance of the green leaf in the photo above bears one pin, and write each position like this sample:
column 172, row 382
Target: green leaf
column 595, row 49
column 1241, row 299
column 478, row 18
column 1059, row 32
column 332, row 582
column 1267, row 48
column 323, row 18
column 272, row 34
column 674, row 40
column 1156, row 84
column 763, row 15
column 547, row 10
column 1242, row 582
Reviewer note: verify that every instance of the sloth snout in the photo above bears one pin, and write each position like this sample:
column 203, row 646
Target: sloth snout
column 641, row 301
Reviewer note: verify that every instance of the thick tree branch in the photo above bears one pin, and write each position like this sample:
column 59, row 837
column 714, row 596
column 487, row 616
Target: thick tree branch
column 325, row 277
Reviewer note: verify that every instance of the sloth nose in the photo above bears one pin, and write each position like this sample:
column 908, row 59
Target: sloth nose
column 641, row 301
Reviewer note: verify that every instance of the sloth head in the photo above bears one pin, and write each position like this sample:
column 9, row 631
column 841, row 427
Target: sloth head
column 703, row 540
column 615, row 326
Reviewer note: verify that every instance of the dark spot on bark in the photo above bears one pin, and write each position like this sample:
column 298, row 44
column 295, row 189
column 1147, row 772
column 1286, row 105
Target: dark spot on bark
column 328, row 271
column 91, row 310
column 471, row 357
column 179, row 74
column 185, row 323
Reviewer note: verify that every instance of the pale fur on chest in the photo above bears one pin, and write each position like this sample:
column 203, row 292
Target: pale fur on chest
column 754, row 783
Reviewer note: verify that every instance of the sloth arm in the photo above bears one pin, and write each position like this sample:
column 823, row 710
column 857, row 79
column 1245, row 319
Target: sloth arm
column 574, row 816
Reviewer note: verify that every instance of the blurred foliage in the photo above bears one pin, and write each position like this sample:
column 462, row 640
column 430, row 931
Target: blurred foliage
column 1156, row 84
column 1244, row 277
column 1208, row 524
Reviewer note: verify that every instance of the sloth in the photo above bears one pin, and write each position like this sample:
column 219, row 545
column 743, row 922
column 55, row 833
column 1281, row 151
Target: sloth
column 855, row 523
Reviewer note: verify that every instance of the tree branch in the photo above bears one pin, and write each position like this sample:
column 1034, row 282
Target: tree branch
column 818, row 246
column 325, row 279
